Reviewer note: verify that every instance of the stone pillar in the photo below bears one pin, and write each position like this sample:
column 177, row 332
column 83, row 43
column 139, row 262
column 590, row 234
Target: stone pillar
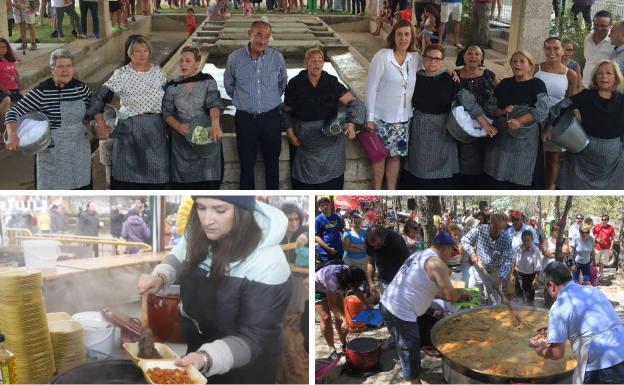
column 4, row 20
column 529, row 26
column 104, row 19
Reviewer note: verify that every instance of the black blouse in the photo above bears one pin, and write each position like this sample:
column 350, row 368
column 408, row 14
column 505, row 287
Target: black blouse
column 434, row 94
column 513, row 93
column 481, row 87
column 310, row 103
column 602, row 118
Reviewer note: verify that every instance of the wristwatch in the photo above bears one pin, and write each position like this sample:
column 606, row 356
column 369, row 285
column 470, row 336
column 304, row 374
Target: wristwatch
column 207, row 360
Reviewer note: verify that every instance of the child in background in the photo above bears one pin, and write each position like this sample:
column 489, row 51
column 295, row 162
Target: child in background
column 190, row 21
column 384, row 17
column 24, row 15
column 428, row 28
column 248, row 9
column 114, row 7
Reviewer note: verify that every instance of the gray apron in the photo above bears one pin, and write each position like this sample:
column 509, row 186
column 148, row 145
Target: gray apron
column 320, row 158
column 67, row 165
column 140, row 150
column 432, row 150
column 511, row 159
column 599, row 166
column 187, row 167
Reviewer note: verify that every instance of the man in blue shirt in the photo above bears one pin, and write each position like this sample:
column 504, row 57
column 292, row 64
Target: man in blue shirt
column 584, row 316
column 328, row 232
column 255, row 78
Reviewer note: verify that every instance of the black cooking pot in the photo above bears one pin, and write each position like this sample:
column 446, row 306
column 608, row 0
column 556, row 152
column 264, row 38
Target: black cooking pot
column 102, row 372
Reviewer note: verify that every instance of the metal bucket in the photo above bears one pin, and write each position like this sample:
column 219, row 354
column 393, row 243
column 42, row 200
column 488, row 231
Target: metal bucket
column 111, row 117
column 523, row 131
column 38, row 145
column 457, row 373
column 207, row 149
column 569, row 133
column 337, row 125
column 456, row 130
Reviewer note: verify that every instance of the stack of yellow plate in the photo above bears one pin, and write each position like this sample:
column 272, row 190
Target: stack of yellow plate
column 23, row 321
column 67, row 342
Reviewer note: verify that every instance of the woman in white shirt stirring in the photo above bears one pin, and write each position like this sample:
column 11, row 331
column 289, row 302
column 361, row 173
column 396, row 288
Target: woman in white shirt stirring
column 391, row 82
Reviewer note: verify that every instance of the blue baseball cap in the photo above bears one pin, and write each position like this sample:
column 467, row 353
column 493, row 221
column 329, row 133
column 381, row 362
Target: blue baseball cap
column 443, row 238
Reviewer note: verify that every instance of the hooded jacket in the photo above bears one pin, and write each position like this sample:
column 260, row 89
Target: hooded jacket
column 135, row 230
column 252, row 298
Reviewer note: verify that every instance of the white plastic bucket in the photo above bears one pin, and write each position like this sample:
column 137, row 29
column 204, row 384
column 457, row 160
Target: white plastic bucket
column 98, row 332
column 41, row 254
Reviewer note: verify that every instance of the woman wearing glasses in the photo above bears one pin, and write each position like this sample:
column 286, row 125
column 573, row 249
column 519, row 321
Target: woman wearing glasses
column 582, row 250
column 432, row 156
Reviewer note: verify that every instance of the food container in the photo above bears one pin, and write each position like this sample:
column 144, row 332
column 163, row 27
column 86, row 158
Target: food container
column 165, row 351
column 199, row 128
column 456, row 372
column 363, row 354
column 193, row 373
column 102, row 372
column 163, row 313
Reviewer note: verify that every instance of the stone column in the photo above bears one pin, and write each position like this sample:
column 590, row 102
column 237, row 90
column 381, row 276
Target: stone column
column 4, row 20
column 104, row 19
column 530, row 22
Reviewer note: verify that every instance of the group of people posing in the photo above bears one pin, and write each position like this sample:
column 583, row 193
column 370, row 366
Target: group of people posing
column 492, row 253
column 402, row 125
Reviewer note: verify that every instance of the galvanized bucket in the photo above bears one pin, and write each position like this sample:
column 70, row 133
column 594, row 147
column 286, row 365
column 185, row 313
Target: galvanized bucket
column 39, row 144
column 523, row 131
column 111, row 117
column 202, row 148
column 456, row 130
column 569, row 133
column 337, row 125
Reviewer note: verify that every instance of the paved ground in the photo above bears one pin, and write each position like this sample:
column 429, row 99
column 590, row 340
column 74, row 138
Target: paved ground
column 613, row 288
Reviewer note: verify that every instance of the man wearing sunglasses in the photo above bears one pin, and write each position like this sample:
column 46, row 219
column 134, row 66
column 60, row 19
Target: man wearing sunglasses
column 573, row 231
column 584, row 316
column 605, row 237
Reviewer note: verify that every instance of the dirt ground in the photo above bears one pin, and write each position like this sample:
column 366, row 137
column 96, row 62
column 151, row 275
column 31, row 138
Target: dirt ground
column 390, row 373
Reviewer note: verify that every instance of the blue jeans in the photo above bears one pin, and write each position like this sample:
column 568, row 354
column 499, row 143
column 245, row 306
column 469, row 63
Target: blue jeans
column 612, row 375
column 407, row 341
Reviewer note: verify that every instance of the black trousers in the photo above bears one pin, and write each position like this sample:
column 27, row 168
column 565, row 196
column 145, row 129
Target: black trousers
column 393, row 3
column 524, row 287
column 120, row 185
column 407, row 181
column 89, row 6
column 586, row 11
column 205, row 185
column 333, row 184
column 263, row 129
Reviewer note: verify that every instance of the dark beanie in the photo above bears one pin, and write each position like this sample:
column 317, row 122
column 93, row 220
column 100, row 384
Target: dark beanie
column 244, row 202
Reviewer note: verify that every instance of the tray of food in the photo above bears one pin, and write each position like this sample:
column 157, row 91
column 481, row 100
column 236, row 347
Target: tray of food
column 160, row 351
column 166, row 372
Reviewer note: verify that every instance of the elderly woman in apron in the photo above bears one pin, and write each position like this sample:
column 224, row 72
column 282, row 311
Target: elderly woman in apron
column 477, row 86
column 194, row 95
column 601, row 164
column 584, row 316
column 310, row 103
column 66, row 163
column 140, row 158
column 432, row 155
column 510, row 162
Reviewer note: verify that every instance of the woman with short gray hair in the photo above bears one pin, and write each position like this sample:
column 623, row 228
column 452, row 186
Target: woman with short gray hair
column 66, row 163
column 140, row 158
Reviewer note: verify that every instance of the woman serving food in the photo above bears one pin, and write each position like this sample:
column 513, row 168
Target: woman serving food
column 234, row 285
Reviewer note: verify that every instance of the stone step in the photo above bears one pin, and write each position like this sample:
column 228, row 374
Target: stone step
column 499, row 45
column 211, row 28
column 205, row 40
column 102, row 74
column 328, row 40
column 323, row 33
column 321, row 28
column 276, row 36
column 286, row 47
column 501, row 33
column 247, row 23
column 208, row 33
column 276, row 30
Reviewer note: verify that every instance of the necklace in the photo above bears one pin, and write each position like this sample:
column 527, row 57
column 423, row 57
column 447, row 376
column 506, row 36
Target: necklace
column 405, row 77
